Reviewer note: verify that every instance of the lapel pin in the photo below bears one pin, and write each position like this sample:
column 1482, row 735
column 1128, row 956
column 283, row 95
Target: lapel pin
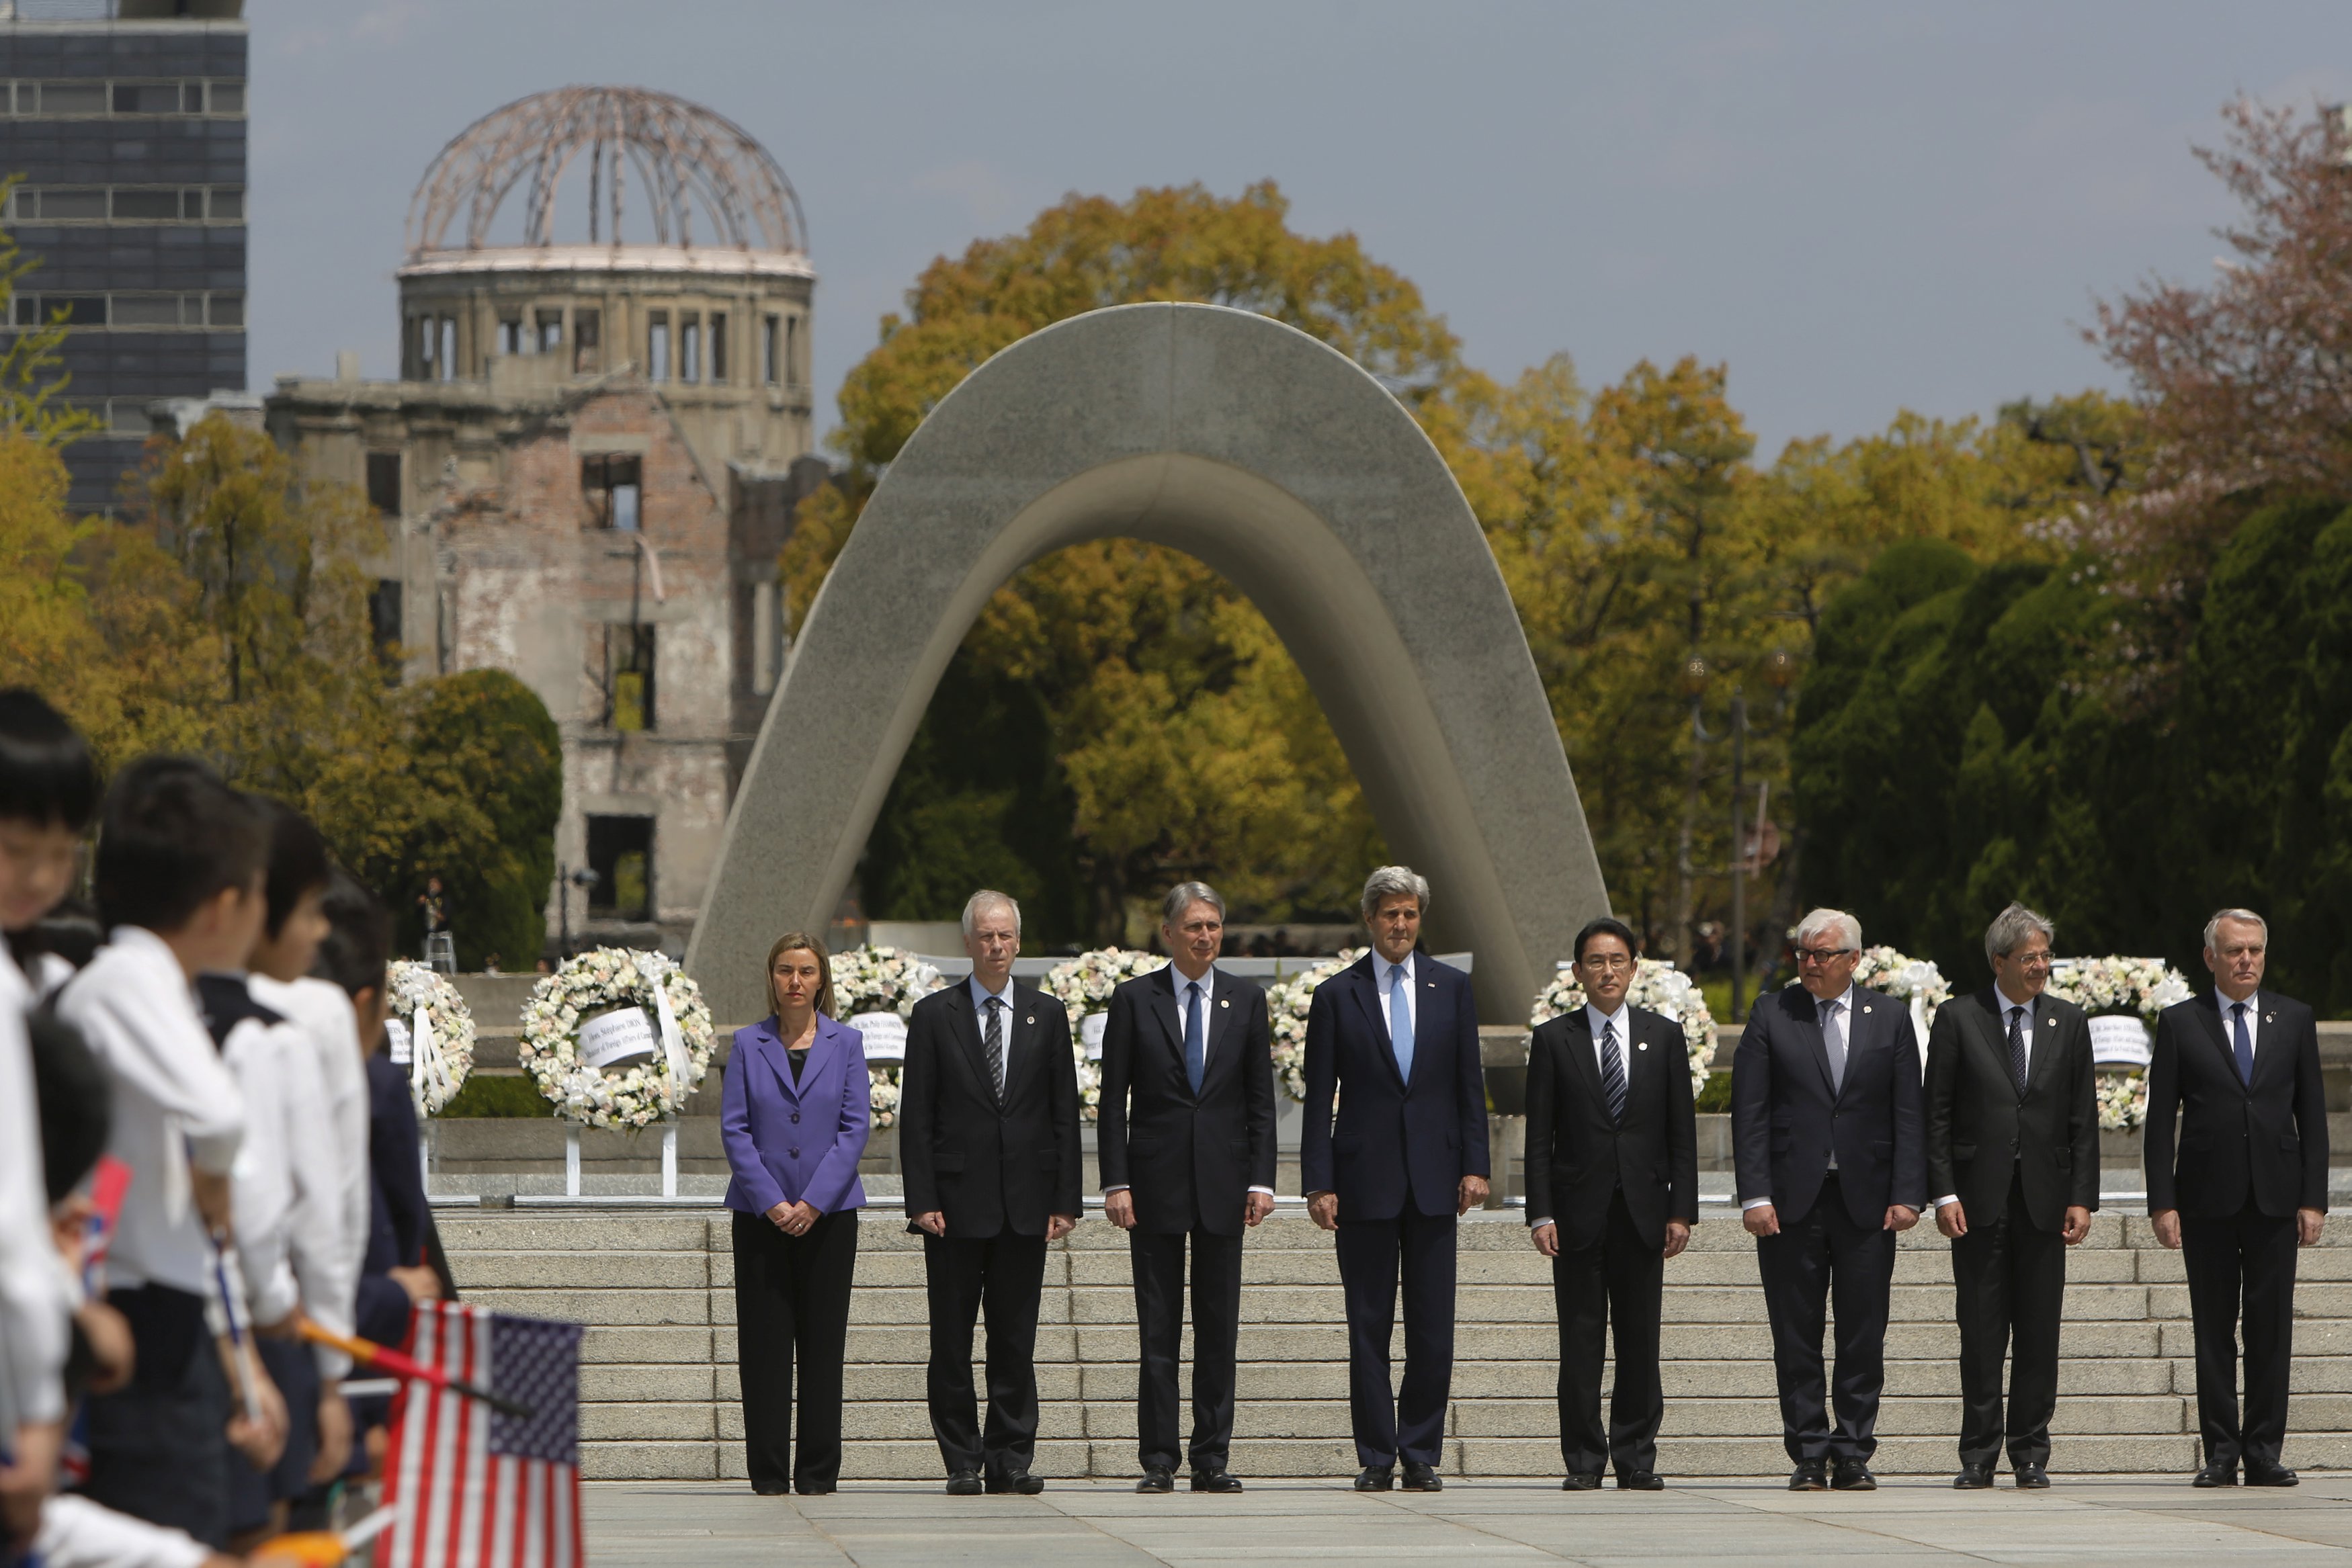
column 2270, row 1018
column 1865, row 1007
column 1642, row 1045
column 1032, row 1018
column 1224, row 1004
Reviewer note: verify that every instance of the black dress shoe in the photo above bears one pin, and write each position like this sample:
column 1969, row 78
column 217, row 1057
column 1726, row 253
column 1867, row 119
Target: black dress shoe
column 1973, row 1478
column 1157, row 1480
column 1640, row 1480
column 1020, row 1481
column 813, row 1488
column 1376, row 1478
column 771, row 1492
column 1581, row 1481
column 1219, row 1482
column 1422, row 1477
column 1810, row 1475
column 1853, row 1475
column 2268, row 1475
column 2220, row 1473
column 2031, row 1477
column 963, row 1483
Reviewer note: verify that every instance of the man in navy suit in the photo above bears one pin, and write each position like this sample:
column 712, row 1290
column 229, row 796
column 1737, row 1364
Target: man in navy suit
column 1827, row 1134
column 2236, row 1076
column 1186, row 1132
column 1395, row 1038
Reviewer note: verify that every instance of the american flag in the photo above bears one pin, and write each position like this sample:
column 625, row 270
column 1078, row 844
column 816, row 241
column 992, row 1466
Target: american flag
column 476, row 1488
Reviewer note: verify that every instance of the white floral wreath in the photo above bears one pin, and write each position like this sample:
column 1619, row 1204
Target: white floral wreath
column 440, row 1033
column 2112, row 985
column 2122, row 1101
column 1288, row 1003
column 600, row 981
column 1083, row 986
column 1658, row 985
column 870, row 979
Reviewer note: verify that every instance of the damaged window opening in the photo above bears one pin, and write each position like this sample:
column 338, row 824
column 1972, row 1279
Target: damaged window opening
column 613, row 485
column 447, row 357
column 585, row 325
column 768, row 333
column 551, row 331
column 511, row 336
column 383, row 481
column 621, row 853
column 792, row 351
column 718, row 348
column 629, row 677
column 657, row 345
column 689, row 349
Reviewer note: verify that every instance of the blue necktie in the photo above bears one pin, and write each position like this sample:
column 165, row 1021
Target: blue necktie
column 1400, row 1021
column 1196, row 1044
column 2245, row 1043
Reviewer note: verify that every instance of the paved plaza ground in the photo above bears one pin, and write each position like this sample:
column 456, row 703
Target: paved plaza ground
column 2143, row 1521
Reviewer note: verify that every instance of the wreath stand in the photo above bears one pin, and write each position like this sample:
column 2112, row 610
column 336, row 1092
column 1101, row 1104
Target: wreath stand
column 571, row 1159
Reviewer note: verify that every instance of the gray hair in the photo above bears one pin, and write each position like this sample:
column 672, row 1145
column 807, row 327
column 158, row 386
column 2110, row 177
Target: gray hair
column 1184, row 895
column 1394, row 882
column 989, row 898
column 2213, row 926
column 1831, row 923
column 2011, row 926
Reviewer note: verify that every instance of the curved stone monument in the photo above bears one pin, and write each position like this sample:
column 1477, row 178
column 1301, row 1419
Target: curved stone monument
column 1285, row 467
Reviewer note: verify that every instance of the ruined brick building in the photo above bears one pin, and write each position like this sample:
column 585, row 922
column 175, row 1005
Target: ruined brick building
column 590, row 461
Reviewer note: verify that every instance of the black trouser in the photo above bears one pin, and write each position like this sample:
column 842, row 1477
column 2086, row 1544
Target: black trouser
column 2010, row 1278
column 791, row 1304
column 1614, row 1285
column 293, row 1368
column 1158, row 1263
column 159, row 1450
column 1006, row 1273
column 1825, row 1252
column 1409, row 1421
column 2241, row 1270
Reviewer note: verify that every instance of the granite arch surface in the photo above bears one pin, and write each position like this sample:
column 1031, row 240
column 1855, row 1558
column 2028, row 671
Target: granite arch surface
column 1282, row 465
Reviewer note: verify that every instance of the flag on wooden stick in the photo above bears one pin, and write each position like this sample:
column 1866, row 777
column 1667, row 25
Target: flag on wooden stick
column 478, row 1486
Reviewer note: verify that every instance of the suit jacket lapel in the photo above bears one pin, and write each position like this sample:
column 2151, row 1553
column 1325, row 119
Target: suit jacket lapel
column 1221, row 1010
column 1812, row 1025
column 1424, row 995
column 1991, row 1038
column 1577, row 1039
column 770, row 1051
column 2208, row 1012
column 2039, row 1062
column 966, row 1028
column 820, row 1052
column 1368, row 995
column 1170, row 1012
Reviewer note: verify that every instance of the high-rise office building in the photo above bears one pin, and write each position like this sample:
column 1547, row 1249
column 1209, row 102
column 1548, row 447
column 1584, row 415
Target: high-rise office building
column 125, row 121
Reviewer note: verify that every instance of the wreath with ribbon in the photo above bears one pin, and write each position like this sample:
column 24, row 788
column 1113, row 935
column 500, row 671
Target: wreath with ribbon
column 649, row 1038
column 1083, row 986
column 1288, row 1003
column 867, row 980
column 1658, row 985
column 432, row 1031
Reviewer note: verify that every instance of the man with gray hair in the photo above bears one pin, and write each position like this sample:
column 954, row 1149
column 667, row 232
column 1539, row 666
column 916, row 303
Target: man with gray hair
column 2236, row 1076
column 2013, row 1148
column 1825, row 1131
column 988, row 1138
column 1393, row 1038
column 1186, row 1134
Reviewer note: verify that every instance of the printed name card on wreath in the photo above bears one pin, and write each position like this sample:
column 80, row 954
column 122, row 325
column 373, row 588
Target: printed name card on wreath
column 886, row 1035
column 618, row 1038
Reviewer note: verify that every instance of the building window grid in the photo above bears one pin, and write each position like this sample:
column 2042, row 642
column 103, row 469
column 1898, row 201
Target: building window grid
column 126, row 204
column 107, row 98
column 135, row 310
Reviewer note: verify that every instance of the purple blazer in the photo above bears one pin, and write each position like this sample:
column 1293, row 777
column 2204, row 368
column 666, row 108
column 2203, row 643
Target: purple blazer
column 794, row 1142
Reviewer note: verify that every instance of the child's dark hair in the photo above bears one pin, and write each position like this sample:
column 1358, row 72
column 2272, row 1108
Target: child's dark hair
column 46, row 774
column 298, row 860
column 76, row 1100
column 358, row 944
column 173, row 836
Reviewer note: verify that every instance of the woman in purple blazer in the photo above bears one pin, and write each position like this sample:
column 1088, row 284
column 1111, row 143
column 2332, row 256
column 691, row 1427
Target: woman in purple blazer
column 794, row 1116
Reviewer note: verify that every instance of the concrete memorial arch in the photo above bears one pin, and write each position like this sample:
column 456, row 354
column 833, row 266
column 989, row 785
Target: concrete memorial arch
column 1280, row 465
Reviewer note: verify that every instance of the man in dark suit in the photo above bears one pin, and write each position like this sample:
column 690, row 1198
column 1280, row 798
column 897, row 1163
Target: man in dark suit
column 1613, row 1192
column 2239, row 1069
column 2013, row 1107
column 1825, row 1131
column 988, row 1138
column 1394, row 1037
column 1186, row 1136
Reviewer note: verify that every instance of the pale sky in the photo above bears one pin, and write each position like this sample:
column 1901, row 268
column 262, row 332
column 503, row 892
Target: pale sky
column 1859, row 208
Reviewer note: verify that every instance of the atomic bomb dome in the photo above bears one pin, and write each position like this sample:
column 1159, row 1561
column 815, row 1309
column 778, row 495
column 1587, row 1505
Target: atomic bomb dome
column 603, row 229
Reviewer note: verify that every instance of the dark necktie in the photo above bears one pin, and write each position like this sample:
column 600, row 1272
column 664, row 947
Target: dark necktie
column 2245, row 1043
column 1834, row 1041
column 1196, row 1044
column 1612, row 1072
column 994, row 1041
column 2017, row 1046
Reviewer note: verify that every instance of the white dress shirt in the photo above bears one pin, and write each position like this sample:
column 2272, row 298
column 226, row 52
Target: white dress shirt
column 1844, row 1005
column 2009, row 1008
column 2254, row 1025
column 1208, row 984
column 1382, row 981
column 176, row 1105
column 335, row 1233
column 261, row 1183
column 36, row 1302
column 1599, row 1022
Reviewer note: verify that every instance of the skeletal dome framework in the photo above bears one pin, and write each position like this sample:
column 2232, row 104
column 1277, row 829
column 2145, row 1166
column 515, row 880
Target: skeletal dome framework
column 700, row 179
